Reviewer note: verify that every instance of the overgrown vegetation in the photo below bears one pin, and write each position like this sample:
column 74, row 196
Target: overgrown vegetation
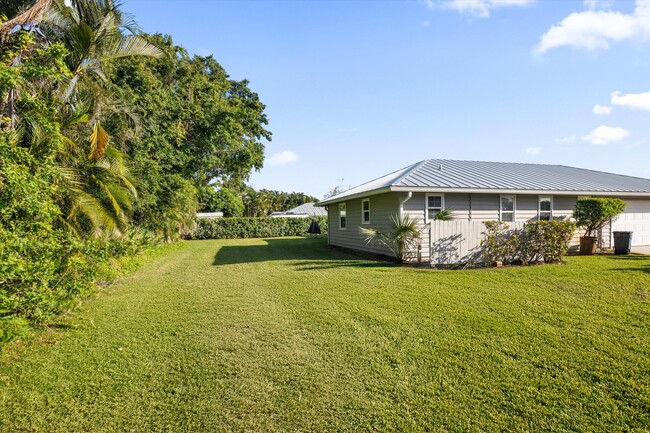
column 83, row 179
column 252, row 227
column 537, row 241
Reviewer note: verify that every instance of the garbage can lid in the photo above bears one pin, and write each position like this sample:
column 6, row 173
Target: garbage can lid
column 622, row 233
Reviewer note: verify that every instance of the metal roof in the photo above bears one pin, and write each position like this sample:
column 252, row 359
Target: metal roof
column 304, row 209
column 482, row 176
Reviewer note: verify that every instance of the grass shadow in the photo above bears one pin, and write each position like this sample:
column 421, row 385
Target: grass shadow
column 308, row 253
column 631, row 262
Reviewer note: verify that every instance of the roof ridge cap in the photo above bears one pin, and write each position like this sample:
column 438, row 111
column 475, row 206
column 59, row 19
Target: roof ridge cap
column 415, row 167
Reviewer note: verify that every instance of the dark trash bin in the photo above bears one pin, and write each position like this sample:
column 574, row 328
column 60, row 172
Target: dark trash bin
column 314, row 228
column 622, row 242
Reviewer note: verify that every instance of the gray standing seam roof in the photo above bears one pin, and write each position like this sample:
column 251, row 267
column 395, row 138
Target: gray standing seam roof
column 477, row 175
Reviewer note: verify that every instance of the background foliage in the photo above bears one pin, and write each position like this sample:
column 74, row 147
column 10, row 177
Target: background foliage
column 253, row 227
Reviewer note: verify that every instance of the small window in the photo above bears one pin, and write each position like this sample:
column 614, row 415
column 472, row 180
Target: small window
column 343, row 219
column 545, row 208
column 435, row 204
column 365, row 211
column 507, row 211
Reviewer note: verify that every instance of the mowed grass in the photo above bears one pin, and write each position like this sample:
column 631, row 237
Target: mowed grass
column 287, row 335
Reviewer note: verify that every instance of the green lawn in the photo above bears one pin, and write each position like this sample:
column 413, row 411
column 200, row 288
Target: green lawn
column 287, row 335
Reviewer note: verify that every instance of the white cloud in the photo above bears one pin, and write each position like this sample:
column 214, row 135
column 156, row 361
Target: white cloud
column 639, row 101
column 426, row 23
column 535, row 150
column 602, row 109
column 605, row 135
column 480, row 8
column 566, row 140
column 283, row 158
column 596, row 29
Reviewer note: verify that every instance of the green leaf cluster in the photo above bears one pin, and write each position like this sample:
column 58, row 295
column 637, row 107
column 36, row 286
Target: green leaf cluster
column 537, row 241
column 592, row 214
column 252, row 227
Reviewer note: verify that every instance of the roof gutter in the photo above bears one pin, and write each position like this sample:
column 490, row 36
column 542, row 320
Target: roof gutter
column 519, row 191
column 341, row 197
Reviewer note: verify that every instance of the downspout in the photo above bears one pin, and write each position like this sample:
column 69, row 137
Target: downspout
column 401, row 203
column 401, row 215
column 329, row 224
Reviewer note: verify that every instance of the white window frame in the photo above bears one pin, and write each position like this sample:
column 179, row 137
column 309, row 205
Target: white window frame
column 539, row 207
column 426, row 204
column 343, row 208
column 514, row 207
column 363, row 212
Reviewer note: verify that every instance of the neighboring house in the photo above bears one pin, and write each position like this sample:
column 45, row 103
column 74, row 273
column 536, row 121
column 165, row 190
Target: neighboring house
column 479, row 191
column 209, row 215
column 305, row 210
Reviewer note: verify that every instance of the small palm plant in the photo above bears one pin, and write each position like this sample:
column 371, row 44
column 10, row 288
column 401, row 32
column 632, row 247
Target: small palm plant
column 402, row 239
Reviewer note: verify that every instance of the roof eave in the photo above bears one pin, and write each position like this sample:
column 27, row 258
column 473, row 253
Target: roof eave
column 341, row 198
column 518, row 191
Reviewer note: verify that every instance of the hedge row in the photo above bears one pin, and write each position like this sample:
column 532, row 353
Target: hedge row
column 248, row 227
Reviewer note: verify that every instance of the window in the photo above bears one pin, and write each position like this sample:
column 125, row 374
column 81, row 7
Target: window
column 545, row 211
column 365, row 211
column 507, row 211
column 435, row 203
column 343, row 220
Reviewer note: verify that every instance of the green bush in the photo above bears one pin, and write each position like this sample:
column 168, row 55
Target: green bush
column 537, row 241
column 44, row 267
column 252, row 227
column 499, row 244
column 545, row 240
column 593, row 213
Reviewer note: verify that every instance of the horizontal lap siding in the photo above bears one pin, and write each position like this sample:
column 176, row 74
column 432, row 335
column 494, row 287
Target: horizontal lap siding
column 526, row 208
column 485, row 207
column 382, row 206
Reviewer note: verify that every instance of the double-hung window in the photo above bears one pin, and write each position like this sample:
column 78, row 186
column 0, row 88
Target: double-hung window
column 343, row 219
column 545, row 211
column 435, row 204
column 365, row 211
column 507, row 209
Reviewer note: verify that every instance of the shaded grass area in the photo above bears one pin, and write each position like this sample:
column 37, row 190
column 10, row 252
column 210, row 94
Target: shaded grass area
column 286, row 335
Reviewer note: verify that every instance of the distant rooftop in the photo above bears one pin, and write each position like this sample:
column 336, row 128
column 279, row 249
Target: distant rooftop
column 305, row 209
column 482, row 176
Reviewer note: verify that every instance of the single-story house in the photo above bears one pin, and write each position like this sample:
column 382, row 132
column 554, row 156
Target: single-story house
column 480, row 191
column 305, row 210
column 209, row 215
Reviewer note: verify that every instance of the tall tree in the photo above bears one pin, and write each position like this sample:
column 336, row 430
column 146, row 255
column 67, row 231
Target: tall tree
column 202, row 128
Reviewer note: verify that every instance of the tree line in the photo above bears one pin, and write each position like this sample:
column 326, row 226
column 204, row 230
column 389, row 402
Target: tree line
column 109, row 137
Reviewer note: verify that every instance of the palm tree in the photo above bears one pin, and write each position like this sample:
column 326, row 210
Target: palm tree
column 98, row 190
column 93, row 31
column 402, row 239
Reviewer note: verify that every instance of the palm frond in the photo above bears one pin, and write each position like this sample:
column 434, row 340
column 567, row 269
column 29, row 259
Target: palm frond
column 98, row 142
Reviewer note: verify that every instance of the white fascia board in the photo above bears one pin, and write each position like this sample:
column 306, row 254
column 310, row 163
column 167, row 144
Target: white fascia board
column 519, row 191
column 341, row 198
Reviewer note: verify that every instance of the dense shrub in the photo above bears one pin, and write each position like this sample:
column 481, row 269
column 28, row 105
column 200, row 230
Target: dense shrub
column 500, row 243
column 252, row 227
column 545, row 240
column 44, row 267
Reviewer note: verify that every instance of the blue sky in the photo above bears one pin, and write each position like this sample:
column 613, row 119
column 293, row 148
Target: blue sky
column 357, row 89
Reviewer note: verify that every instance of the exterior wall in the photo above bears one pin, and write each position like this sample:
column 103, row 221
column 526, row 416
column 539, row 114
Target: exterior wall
column 382, row 206
column 467, row 207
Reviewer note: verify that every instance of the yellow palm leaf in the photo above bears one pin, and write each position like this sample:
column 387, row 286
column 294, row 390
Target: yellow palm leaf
column 98, row 143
